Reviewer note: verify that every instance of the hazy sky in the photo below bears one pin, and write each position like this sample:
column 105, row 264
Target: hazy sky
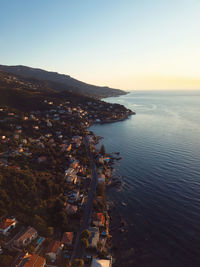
column 127, row 44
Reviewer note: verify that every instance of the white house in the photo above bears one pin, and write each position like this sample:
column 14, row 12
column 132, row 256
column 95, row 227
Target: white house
column 54, row 250
column 101, row 263
column 94, row 239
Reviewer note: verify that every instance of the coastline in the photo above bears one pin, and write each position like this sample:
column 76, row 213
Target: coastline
column 123, row 118
column 117, row 120
column 117, row 225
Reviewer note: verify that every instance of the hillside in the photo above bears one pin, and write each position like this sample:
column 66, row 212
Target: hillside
column 69, row 83
column 26, row 94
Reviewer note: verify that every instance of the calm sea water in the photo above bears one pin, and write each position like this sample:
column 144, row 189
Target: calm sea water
column 160, row 166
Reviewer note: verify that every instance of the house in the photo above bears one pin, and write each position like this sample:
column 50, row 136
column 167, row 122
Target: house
column 74, row 195
column 54, row 250
column 66, row 147
column 107, row 159
column 72, row 179
column 94, row 239
column 70, row 171
column 26, row 237
column 69, row 148
column 101, row 159
column 16, row 136
column 7, row 224
column 77, row 140
column 42, row 159
column 101, row 178
column 24, row 141
column 67, row 238
column 28, row 260
column 101, row 263
column 98, row 219
column 74, row 164
column 3, row 162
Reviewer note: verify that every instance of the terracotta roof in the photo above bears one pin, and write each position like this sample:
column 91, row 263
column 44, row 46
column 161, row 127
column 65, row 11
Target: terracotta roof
column 99, row 217
column 27, row 260
column 35, row 261
column 53, row 246
column 101, row 175
column 29, row 232
column 7, row 223
column 67, row 238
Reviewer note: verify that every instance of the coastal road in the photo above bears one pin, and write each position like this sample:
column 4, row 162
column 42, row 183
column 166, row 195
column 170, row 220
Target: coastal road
column 78, row 251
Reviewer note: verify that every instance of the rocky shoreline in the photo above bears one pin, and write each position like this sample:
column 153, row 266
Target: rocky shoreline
column 118, row 225
column 117, row 119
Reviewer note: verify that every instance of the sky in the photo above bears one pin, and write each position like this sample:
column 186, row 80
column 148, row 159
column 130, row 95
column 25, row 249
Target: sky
column 125, row 44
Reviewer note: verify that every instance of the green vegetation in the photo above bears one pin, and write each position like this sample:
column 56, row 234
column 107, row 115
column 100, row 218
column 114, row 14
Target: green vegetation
column 86, row 234
column 84, row 242
column 78, row 263
column 6, row 260
column 34, row 198
column 64, row 81
column 45, row 169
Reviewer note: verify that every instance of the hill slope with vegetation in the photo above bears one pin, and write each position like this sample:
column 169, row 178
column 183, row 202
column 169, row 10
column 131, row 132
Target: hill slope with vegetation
column 67, row 83
column 36, row 122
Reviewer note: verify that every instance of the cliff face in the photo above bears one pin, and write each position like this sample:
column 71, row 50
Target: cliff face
column 69, row 83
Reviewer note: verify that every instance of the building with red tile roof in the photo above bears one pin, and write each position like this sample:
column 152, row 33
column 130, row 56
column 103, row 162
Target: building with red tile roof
column 54, row 249
column 7, row 224
column 98, row 219
column 67, row 238
column 28, row 260
column 26, row 237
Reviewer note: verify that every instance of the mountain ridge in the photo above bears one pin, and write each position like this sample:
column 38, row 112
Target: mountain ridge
column 71, row 84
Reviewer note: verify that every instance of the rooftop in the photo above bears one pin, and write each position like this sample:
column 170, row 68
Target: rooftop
column 67, row 237
column 53, row 246
column 8, row 222
column 100, row 263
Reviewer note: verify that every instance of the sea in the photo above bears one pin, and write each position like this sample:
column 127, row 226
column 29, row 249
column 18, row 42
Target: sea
column 159, row 197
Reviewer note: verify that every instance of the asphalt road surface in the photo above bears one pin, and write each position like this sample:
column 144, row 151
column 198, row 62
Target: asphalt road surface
column 78, row 251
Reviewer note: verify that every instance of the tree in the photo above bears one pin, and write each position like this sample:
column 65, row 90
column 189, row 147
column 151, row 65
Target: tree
column 84, row 242
column 50, row 231
column 86, row 234
column 5, row 260
column 102, row 150
column 62, row 216
column 78, row 263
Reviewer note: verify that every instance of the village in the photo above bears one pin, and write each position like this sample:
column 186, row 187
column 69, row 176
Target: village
column 69, row 222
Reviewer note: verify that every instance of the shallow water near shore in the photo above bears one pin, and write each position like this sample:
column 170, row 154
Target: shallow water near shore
column 160, row 170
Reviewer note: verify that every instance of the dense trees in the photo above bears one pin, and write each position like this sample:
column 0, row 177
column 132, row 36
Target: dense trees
column 6, row 260
column 33, row 198
column 84, row 242
column 78, row 263
column 86, row 234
